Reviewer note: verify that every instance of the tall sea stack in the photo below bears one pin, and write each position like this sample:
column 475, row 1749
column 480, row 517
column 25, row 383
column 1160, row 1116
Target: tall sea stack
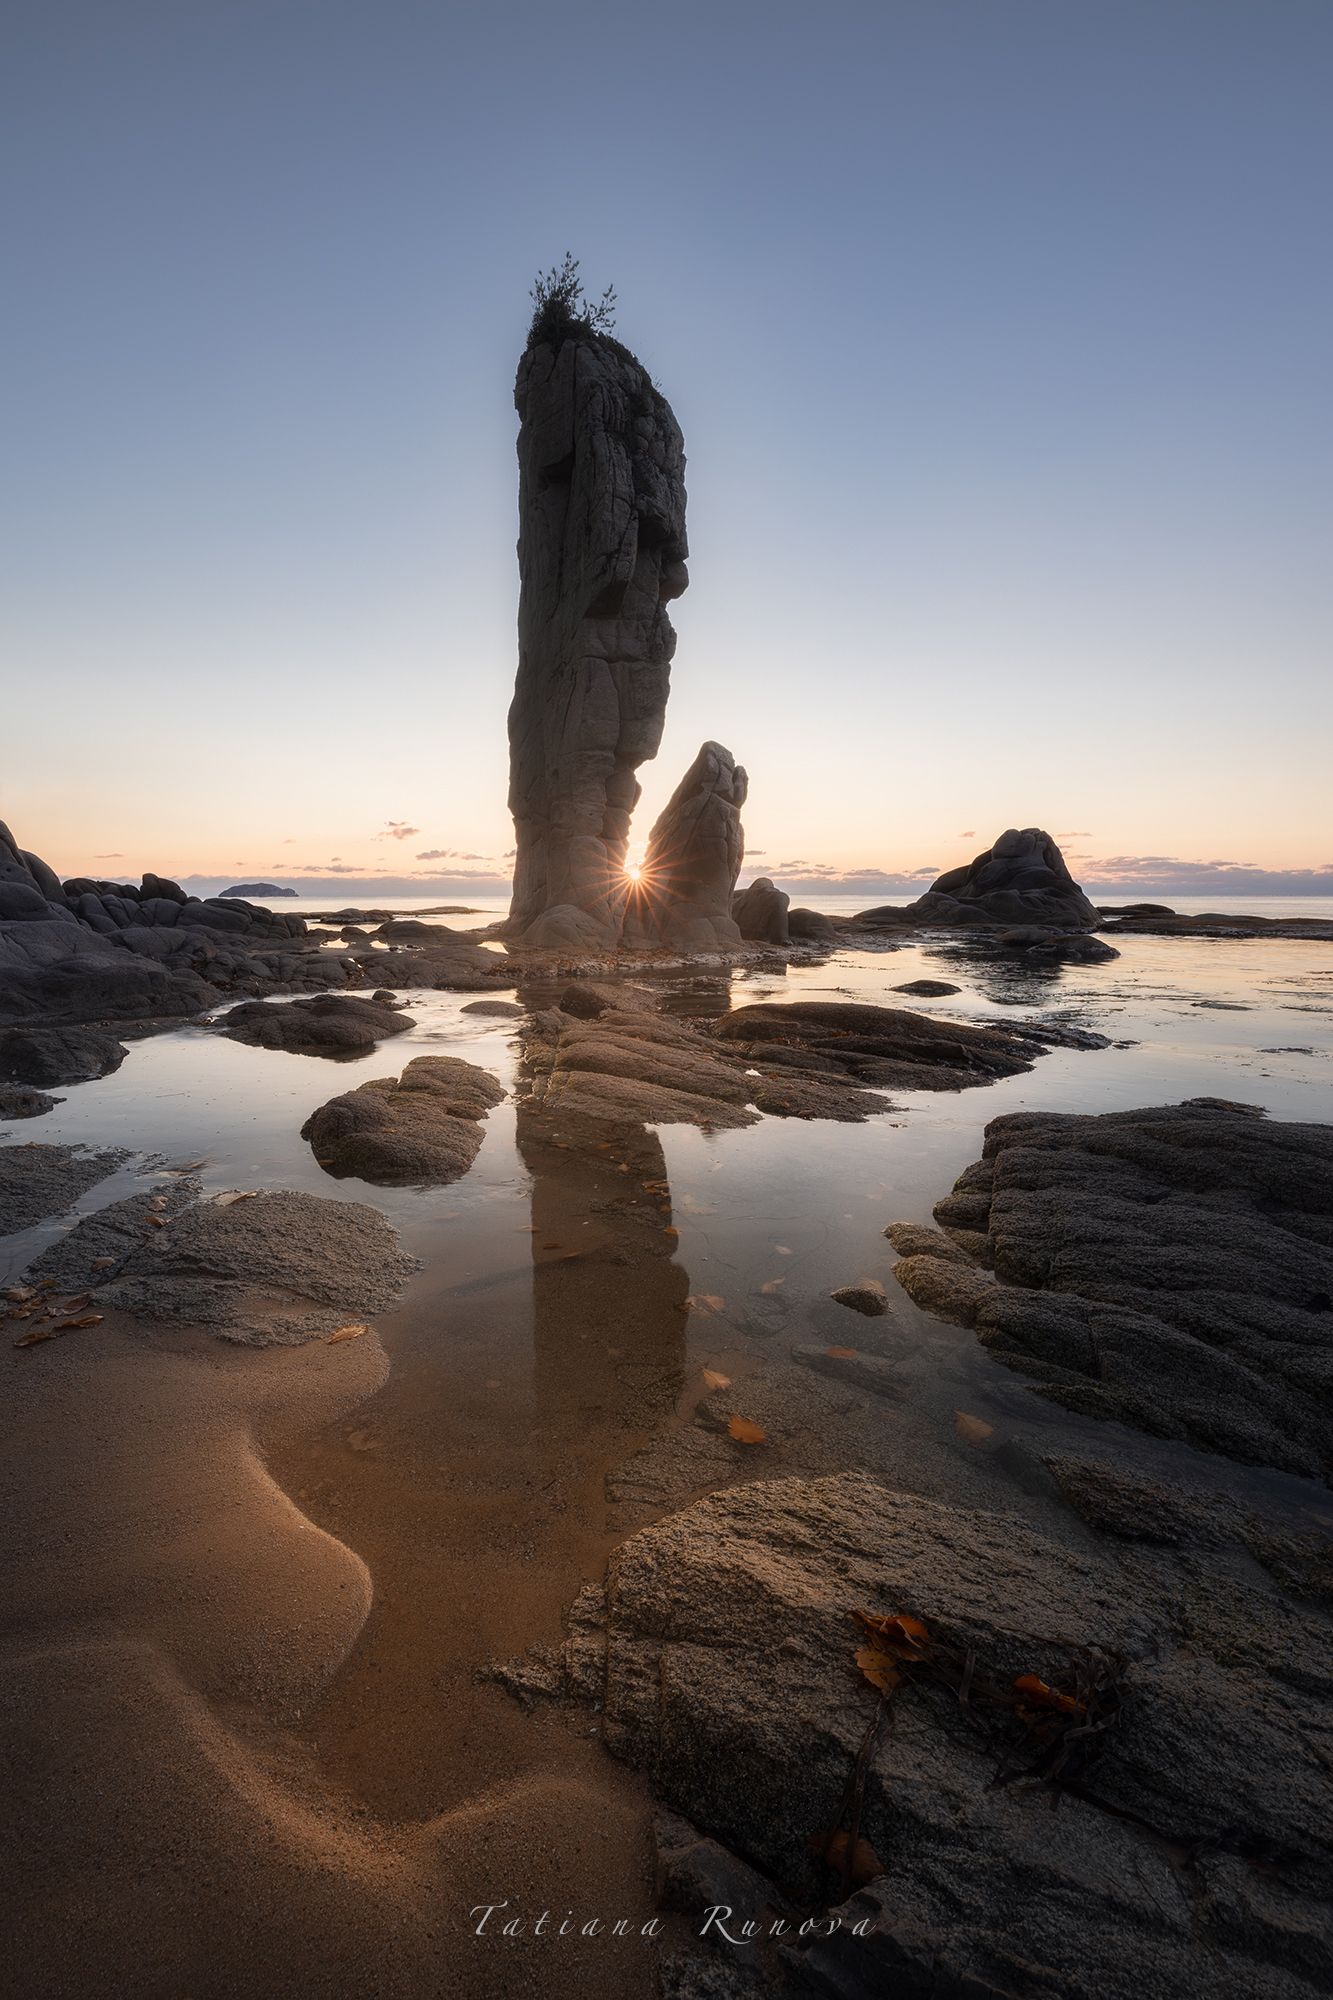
column 601, row 553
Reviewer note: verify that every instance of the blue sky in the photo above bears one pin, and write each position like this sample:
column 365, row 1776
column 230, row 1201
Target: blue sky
column 998, row 331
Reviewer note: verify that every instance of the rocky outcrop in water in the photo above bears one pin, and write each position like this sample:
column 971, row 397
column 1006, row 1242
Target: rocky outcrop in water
column 682, row 899
column 888, row 1047
column 327, row 1024
column 85, row 950
column 601, row 554
column 423, row 1127
column 1170, row 1268
column 1021, row 881
column 760, row 912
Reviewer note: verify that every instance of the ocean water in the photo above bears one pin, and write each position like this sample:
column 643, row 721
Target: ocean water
column 1232, row 1018
column 488, row 908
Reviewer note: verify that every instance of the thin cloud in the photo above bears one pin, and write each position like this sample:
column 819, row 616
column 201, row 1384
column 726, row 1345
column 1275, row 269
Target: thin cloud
column 397, row 829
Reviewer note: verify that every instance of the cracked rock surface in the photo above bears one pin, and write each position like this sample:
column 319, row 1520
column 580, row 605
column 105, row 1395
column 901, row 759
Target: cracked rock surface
column 1169, row 1268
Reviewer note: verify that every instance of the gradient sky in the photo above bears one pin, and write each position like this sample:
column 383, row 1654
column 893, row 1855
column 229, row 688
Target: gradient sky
column 999, row 332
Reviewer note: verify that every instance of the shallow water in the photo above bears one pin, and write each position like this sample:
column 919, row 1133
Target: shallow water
column 472, row 1482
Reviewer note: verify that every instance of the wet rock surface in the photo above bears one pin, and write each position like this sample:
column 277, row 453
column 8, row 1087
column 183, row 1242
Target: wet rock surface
column 1170, row 1268
column 263, row 1269
column 722, row 1654
column 327, row 1024
column 813, row 1059
column 58, row 1054
column 425, row 1126
column 18, row 1101
column 884, row 1047
column 40, row 1181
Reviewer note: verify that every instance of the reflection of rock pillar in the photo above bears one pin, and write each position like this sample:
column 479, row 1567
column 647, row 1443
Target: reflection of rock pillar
column 601, row 553
column 608, row 1324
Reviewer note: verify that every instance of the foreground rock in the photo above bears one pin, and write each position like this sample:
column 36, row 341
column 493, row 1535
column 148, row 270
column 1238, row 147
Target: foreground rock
column 1022, row 880
column 41, row 1181
column 1170, row 1268
column 601, row 554
column 682, row 900
column 722, row 1658
column 264, row 1269
column 328, row 1024
column 425, row 1126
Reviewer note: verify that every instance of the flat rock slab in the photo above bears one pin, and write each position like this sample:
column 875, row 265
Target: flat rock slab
column 879, row 1047
column 40, row 1181
column 327, row 1024
column 267, row 1269
column 57, row 1055
column 1170, row 1268
column 423, row 1127
column 721, row 1655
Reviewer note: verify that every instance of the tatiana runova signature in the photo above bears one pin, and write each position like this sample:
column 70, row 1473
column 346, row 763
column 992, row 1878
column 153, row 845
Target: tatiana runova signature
column 719, row 1920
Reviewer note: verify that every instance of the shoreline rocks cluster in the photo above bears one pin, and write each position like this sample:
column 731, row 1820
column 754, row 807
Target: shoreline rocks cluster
column 593, row 1058
column 1170, row 1268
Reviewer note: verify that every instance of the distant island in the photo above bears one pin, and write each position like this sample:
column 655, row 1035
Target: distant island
column 258, row 889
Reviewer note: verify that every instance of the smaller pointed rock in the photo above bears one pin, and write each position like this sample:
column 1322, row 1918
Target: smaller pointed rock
column 682, row 897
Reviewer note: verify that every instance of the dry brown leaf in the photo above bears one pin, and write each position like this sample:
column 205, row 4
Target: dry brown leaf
column 972, row 1430
column 771, row 1285
column 670, row 1231
column 31, row 1339
column 704, row 1302
column 80, row 1320
column 101, row 1263
column 241, row 1194
column 841, row 1353
column 157, row 1221
column 75, row 1304
column 353, row 1331
column 744, row 1432
column 782, row 1250
column 896, row 1628
column 190, row 1167
column 860, row 1863
column 712, row 1380
column 879, row 1668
